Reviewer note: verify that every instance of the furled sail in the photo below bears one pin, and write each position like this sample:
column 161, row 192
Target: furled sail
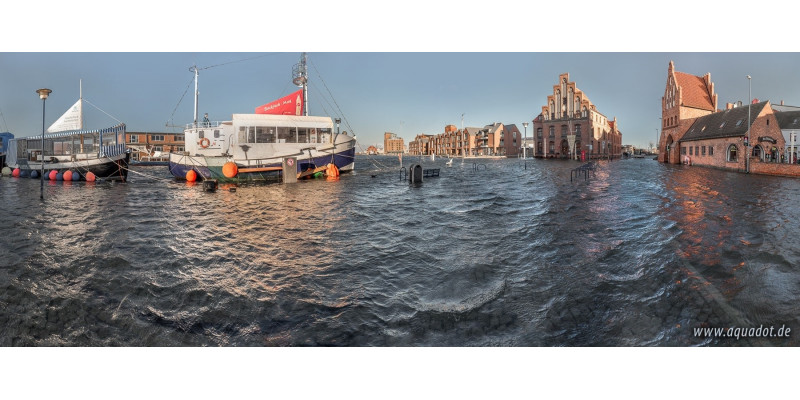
column 72, row 120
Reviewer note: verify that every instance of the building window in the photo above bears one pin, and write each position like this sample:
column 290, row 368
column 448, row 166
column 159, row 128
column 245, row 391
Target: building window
column 697, row 150
column 711, row 150
column 158, row 138
column 578, row 129
column 704, row 150
column 539, row 132
column 552, row 131
column 563, row 131
column 134, row 139
column 732, row 156
column 691, row 151
column 683, row 150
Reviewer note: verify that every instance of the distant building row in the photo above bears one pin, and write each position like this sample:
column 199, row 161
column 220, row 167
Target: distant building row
column 496, row 139
column 569, row 126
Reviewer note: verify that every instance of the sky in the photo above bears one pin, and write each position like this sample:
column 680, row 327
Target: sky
column 407, row 93
column 392, row 70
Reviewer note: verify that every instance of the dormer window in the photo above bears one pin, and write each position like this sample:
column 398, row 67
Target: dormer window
column 738, row 123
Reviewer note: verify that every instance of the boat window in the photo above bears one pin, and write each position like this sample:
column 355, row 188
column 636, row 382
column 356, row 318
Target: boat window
column 304, row 135
column 287, row 134
column 201, row 134
column 262, row 134
column 216, row 133
column 242, row 134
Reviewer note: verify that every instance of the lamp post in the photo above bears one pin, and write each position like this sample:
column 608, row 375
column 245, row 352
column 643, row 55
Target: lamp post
column 43, row 93
column 525, row 141
column 749, row 103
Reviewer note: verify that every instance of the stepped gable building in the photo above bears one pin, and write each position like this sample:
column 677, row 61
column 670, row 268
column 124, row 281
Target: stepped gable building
column 570, row 112
column 694, row 132
column 686, row 97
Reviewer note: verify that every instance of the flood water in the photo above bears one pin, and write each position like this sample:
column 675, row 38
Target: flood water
column 490, row 253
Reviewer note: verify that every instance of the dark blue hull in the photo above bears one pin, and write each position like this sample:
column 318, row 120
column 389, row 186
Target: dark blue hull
column 179, row 169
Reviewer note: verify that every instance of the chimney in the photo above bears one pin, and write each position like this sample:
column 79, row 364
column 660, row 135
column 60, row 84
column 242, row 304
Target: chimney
column 781, row 102
column 739, row 103
column 728, row 106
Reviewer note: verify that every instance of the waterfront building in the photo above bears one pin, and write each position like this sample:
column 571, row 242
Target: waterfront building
column 569, row 112
column 496, row 139
column 789, row 122
column 511, row 141
column 695, row 132
column 392, row 144
column 154, row 146
column 372, row 150
column 421, row 145
column 686, row 98
column 718, row 139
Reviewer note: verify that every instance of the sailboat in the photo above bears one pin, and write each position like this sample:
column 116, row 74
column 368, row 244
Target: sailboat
column 85, row 154
column 255, row 147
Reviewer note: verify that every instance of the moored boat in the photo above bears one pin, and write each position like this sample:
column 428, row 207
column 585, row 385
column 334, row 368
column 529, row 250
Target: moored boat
column 254, row 147
column 86, row 154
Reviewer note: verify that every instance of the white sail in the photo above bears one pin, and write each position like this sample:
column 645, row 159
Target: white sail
column 72, row 120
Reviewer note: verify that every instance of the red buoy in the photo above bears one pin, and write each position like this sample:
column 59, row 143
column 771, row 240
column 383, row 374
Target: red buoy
column 230, row 169
column 191, row 176
column 90, row 177
column 53, row 175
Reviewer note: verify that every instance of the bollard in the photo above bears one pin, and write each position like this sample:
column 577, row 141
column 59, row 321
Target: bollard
column 415, row 173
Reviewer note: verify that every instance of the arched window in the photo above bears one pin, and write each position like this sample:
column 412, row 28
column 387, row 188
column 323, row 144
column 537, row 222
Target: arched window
column 732, row 153
column 758, row 152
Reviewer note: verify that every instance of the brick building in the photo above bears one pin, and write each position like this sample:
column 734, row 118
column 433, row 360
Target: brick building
column 154, row 146
column 694, row 132
column 421, row 145
column 393, row 144
column 496, row 139
column 570, row 112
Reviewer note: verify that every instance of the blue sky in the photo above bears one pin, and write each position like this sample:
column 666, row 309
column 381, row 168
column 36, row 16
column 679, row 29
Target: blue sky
column 406, row 68
column 402, row 92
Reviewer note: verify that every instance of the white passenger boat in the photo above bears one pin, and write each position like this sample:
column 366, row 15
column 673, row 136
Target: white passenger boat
column 253, row 147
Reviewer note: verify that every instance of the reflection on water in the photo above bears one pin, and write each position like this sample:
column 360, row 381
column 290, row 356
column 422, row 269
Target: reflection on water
column 513, row 254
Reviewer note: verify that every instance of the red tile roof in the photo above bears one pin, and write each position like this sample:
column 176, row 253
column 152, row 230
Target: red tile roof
column 695, row 93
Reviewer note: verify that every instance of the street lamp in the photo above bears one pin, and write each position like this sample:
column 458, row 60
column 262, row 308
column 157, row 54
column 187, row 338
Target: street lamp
column 749, row 103
column 525, row 141
column 43, row 93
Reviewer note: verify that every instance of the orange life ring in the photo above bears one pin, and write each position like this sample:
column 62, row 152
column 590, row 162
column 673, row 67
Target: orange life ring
column 204, row 142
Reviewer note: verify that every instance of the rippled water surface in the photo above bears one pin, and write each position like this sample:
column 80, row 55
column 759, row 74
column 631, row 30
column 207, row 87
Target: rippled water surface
column 510, row 254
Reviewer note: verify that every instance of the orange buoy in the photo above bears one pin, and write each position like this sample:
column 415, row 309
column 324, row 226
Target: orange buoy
column 53, row 175
column 230, row 169
column 90, row 177
column 191, row 176
column 67, row 175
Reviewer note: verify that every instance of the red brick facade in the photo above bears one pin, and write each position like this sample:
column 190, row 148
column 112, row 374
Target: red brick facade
column 570, row 112
column 695, row 133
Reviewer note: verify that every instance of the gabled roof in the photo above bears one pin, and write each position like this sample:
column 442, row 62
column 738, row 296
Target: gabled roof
column 788, row 119
column 694, row 91
column 728, row 123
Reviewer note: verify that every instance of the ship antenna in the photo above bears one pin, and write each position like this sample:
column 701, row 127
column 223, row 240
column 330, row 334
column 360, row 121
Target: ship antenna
column 300, row 78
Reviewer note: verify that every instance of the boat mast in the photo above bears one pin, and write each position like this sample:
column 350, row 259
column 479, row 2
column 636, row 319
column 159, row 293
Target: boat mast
column 300, row 74
column 196, row 92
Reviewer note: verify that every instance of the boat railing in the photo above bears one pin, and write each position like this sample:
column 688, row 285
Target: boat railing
column 209, row 124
